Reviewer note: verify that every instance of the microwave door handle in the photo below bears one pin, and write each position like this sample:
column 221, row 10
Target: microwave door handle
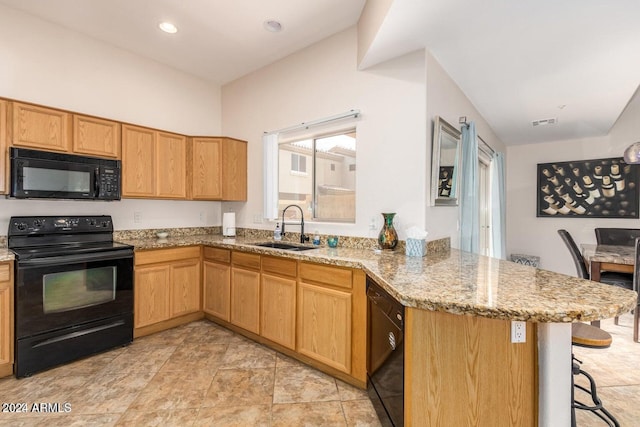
column 96, row 184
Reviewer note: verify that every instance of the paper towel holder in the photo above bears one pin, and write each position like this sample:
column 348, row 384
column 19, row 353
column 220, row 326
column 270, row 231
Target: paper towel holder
column 229, row 224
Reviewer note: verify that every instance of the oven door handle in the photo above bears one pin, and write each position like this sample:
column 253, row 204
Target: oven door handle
column 72, row 259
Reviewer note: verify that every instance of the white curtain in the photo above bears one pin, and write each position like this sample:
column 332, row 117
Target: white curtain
column 469, row 205
column 498, row 207
column 270, row 174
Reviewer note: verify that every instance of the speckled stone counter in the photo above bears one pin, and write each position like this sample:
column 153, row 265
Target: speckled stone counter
column 452, row 281
column 612, row 254
column 6, row 255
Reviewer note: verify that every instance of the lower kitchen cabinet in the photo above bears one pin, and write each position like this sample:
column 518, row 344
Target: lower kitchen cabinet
column 151, row 295
column 216, row 283
column 185, row 289
column 6, row 318
column 310, row 311
column 332, row 318
column 245, row 291
column 167, row 288
column 324, row 325
column 278, row 297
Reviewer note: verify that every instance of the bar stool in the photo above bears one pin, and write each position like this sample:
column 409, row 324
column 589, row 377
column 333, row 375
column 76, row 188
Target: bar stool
column 584, row 335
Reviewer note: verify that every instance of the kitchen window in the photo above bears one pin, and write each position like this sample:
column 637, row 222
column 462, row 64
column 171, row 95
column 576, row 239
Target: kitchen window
column 317, row 173
column 312, row 165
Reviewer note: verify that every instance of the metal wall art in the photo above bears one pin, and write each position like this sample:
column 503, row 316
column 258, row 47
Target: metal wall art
column 601, row 188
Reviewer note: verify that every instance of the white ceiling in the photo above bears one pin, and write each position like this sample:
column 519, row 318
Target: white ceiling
column 517, row 61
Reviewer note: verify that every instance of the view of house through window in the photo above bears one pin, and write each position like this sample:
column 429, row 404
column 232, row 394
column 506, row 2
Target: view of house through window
column 319, row 175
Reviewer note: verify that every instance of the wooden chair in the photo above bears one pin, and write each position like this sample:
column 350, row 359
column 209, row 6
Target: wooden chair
column 617, row 236
column 584, row 335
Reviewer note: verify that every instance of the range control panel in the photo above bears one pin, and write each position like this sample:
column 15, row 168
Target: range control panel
column 25, row 225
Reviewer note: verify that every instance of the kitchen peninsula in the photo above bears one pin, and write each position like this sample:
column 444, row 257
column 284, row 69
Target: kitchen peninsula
column 460, row 366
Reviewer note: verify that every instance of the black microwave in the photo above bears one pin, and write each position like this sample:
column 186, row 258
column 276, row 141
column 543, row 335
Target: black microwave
column 46, row 175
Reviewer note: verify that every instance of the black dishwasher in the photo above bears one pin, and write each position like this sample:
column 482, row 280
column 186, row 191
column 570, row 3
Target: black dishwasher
column 385, row 362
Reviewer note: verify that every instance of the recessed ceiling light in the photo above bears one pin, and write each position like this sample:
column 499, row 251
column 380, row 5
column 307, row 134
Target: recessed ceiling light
column 168, row 27
column 272, row 25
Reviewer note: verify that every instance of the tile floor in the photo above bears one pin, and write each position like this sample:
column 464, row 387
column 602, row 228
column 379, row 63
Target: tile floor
column 194, row 375
column 204, row 375
column 617, row 373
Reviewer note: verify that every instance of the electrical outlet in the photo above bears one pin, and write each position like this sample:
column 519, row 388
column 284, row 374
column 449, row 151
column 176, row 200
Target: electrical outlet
column 202, row 217
column 137, row 217
column 372, row 223
column 518, row 331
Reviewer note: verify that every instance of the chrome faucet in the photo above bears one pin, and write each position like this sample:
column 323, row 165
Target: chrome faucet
column 303, row 238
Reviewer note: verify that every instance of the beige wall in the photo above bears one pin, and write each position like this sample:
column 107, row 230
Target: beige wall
column 321, row 81
column 538, row 236
column 47, row 64
column 445, row 99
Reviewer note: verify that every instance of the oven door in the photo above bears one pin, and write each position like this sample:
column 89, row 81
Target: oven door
column 64, row 291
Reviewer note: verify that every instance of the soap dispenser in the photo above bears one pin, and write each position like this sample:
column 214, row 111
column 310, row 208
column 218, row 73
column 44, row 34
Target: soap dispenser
column 316, row 238
column 277, row 233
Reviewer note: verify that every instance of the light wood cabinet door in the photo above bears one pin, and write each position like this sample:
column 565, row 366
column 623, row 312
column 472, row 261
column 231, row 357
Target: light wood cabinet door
column 217, row 290
column 278, row 316
column 245, row 299
column 4, row 158
column 234, row 169
column 96, row 137
column 41, row 128
column 171, row 171
column 324, row 325
column 185, row 287
column 6, row 319
column 206, row 174
column 152, row 295
column 138, row 161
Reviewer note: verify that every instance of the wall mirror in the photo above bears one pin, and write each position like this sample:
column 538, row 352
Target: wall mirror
column 445, row 164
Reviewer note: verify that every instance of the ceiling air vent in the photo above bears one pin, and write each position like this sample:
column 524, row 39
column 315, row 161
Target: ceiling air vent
column 543, row 122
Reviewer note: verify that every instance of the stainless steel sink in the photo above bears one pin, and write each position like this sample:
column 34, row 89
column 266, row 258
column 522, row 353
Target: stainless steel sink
column 285, row 246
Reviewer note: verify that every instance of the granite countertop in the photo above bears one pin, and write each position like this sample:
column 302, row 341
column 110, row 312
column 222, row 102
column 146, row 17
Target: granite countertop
column 453, row 281
column 608, row 253
column 6, row 255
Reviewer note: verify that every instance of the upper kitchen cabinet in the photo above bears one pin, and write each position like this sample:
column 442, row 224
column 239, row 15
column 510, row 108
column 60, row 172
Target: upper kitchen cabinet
column 171, row 173
column 41, row 128
column 219, row 169
column 138, row 161
column 96, row 137
column 154, row 164
column 56, row 130
column 4, row 160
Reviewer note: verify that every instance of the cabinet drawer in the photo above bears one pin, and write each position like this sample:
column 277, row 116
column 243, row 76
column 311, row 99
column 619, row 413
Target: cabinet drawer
column 216, row 254
column 245, row 259
column 166, row 255
column 328, row 275
column 5, row 272
column 281, row 266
